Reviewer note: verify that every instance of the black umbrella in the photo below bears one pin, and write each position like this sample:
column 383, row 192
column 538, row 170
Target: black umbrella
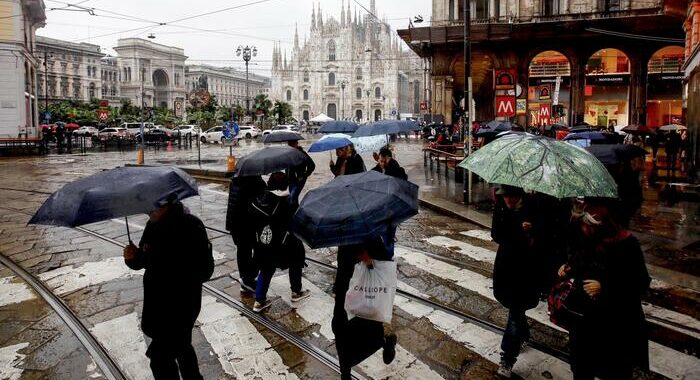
column 386, row 127
column 613, row 154
column 282, row 136
column 338, row 126
column 583, row 127
column 269, row 160
column 112, row 194
column 353, row 209
column 494, row 127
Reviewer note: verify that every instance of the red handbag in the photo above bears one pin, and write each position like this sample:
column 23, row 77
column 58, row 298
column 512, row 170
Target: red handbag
column 562, row 304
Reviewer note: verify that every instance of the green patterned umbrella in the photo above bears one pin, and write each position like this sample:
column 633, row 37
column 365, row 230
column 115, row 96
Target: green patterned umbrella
column 542, row 164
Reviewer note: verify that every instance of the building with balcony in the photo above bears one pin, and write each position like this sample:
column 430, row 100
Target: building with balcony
column 19, row 20
column 109, row 73
column 68, row 70
column 349, row 68
column 226, row 83
column 608, row 63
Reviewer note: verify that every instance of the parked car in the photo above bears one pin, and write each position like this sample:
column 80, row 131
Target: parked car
column 213, row 134
column 187, row 131
column 113, row 133
column 282, row 128
column 248, row 132
column 86, row 130
column 154, row 135
column 134, row 128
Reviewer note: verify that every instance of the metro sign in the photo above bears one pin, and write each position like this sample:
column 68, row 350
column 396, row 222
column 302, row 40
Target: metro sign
column 423, row 106
column 505, row 106
column 103, row 115
column 545, row 113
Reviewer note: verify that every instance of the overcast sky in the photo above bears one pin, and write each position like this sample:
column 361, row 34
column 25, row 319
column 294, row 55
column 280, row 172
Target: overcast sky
column 255, row 22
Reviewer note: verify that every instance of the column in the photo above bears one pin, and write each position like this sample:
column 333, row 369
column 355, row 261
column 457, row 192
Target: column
column 578, row 88
column 638, row 88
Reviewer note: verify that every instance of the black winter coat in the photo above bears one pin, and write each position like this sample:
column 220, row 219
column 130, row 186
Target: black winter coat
column 175, row 253
column 612, row 333
column 354, row 165
column 393, row 169
column 242, row 192
column 518, row 269
column 302, row 171
column 287, row 249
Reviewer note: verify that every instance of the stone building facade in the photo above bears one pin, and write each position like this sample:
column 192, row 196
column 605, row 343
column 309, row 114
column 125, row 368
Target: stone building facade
column 19, row 20
column 110, row 90
column 352, row 67
column 617, row 62
column 227, row 84
column 68, row 70
column 157, row 71
column 692, row 90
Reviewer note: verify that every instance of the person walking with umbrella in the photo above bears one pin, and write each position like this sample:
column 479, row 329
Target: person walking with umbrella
column 172, row 285
column 242, row 191
column 299, row 175
column 386, row 164
column 517, row 269
column 348, row 162
column 673, row 144
column 275, row 246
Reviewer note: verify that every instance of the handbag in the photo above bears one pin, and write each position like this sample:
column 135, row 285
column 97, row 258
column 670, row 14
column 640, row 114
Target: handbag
column 564, row 304
column 372, row 291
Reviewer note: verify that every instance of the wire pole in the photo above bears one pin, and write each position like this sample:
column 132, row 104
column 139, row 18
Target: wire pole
column 468, row 115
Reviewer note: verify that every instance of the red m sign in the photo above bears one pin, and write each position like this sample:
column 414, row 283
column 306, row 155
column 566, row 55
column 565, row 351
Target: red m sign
column 505, row 106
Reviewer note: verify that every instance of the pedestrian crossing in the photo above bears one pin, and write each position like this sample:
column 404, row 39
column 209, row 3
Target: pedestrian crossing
column 125, row 342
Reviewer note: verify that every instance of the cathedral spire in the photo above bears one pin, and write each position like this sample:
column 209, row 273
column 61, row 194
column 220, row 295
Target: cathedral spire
column 296, row 37
column 342, row 14
column 372, row 7
column 313, row 17
column 320, row 17
column 285, row 59
column 349, row 15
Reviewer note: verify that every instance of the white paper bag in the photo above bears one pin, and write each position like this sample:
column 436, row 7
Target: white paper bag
column 371, row 293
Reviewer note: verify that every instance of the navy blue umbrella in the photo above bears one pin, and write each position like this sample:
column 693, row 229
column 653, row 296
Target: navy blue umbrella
column 386, row 127
column 338, row 126
column 583, row 127
column 588, row 135
column 494, row 127
column 353, row 209
column 114, row 193
column 282, row 136
column 329, row 142
column 613, row 154
column 269, row 160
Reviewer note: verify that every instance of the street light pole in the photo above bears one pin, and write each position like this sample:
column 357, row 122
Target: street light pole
column 343, row 83
column 369, row 109
column 247, row 52
column 468, row 115
column 46, row 85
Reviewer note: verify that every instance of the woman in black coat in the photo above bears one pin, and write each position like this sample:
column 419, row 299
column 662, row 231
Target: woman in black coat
column 610, row 275
column 348, row 162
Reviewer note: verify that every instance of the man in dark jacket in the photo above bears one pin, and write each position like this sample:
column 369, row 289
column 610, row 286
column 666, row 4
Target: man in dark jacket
column 516, row 269
column 172, row 286
column 386, row 164
column 298, row 175
column 348, row 162
column 242, row 192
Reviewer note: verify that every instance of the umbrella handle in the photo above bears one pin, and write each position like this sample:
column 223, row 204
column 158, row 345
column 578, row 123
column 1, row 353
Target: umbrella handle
column 128, row 233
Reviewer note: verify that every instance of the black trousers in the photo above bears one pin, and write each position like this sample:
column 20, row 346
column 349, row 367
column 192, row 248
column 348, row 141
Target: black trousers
column 171, row 353
column 247, row 268
column 359, row 338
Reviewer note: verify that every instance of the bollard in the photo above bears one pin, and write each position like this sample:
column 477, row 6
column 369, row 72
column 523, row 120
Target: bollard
column 139, row 156
column 231, row 163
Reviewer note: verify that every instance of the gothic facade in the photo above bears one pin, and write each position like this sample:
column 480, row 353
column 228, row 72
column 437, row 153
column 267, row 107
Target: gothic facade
column 351, row 68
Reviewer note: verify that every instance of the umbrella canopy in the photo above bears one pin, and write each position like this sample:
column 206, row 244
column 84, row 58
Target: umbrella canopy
column 494, row 127
column 580, row 128
column 269, row 160
column 637, row 129
column 555, row 127
column 673, row 127
column 113, row 193
column 613, row 154
column 588, row 135
column 330, row 142
column 339, row 126
column 386, row 127
column 282, row 136
column 321, row 118
column 542, row 164
column 364, row 205
column 72, row 126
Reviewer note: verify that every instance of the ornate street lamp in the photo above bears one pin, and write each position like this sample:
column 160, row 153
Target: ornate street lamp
column 343, row 83
column 247, row 52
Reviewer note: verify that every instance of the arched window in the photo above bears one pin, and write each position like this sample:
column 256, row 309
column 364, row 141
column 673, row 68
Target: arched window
column 104, row 90
column 377, row 115
column 331, row 79
column 92, row 90
column 306, row 94
column 114, row 90
column 129, row 78
column 358, row 115
column 331, row 50
column 306, row 76
column 358, row 93
column 358, row 73
column 377, row 92
column 305, row 115
column 126, row 76
column 289, row 95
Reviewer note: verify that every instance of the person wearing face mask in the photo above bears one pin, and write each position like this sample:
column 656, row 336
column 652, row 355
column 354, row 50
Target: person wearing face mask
column 607, row 265
column 172, row 286
column 386, row 164
column 275, row 245
column 518, row 267
column 348, row 162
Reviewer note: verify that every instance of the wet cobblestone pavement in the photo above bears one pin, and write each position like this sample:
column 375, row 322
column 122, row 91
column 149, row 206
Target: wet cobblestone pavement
column 442, row 258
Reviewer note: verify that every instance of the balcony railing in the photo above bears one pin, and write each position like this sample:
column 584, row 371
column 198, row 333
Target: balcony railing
column 550, row 69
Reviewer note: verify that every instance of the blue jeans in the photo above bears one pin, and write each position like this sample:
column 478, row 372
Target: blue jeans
column 517, row 332
column 295, row 191
column 265, row 277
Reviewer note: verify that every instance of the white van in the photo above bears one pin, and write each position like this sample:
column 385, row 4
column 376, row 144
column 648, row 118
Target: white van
column 134, row 128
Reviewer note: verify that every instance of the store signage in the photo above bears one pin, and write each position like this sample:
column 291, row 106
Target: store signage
column 537, row 81
column 424, row 106
column 178, row 108
column 505, row 106
column 521, row 107
column 608, row 80
column 545, row 113
column 666, row 77
column 544, row 92
column 557, row 86
column 504, row 79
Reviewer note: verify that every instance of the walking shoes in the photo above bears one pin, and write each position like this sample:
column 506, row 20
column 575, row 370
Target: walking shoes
column 260, row 306
column 298, row 296
column 389, row 352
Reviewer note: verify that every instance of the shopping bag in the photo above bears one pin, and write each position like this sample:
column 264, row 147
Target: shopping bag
column 371, row 293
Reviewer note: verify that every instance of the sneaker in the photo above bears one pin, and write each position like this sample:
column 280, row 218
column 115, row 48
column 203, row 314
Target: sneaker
column 389, row 352
column 523, row 346
column 505, row 369
column 247, row 289
column 260, row 306
column 298, row 296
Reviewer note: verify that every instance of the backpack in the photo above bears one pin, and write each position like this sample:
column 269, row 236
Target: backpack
column 271, row 230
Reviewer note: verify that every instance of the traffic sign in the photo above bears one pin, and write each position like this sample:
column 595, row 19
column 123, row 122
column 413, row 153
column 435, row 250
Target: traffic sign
column 505, row 106
column 423, row 106
column 393, row 112
column 103, row 115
